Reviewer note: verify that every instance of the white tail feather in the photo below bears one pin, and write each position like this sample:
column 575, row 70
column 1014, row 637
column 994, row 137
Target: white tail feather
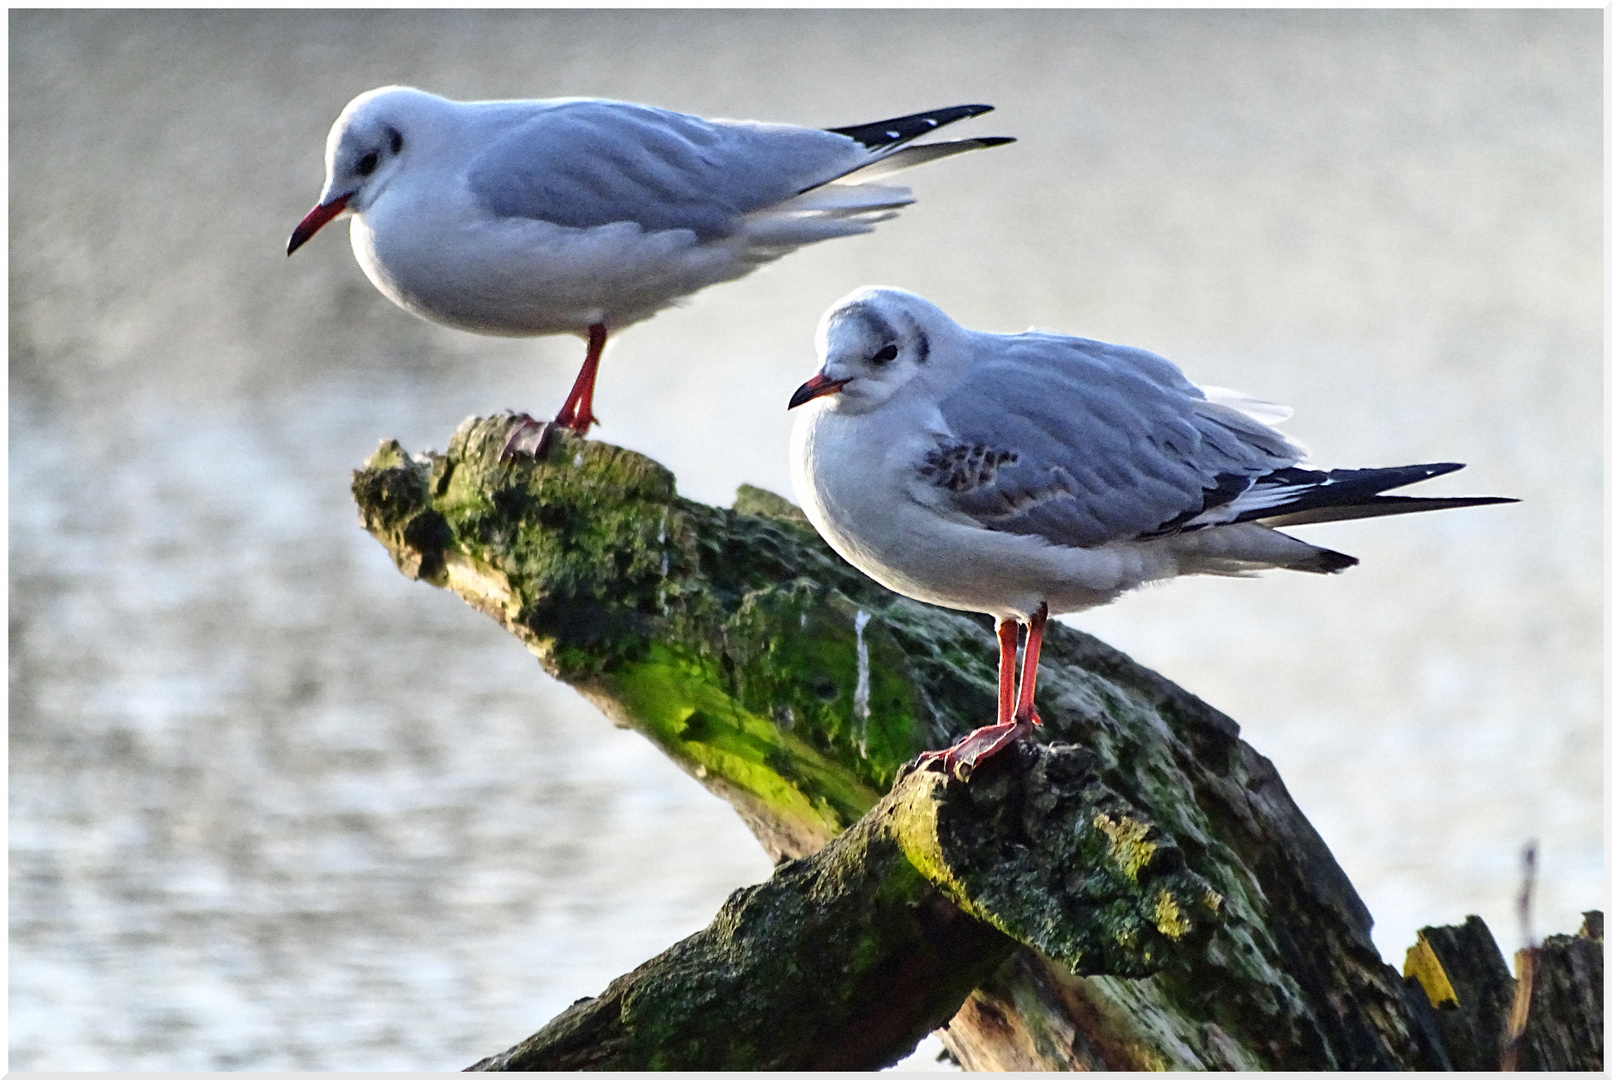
column 1252, row 407
column 906, row 158
column 828, row 211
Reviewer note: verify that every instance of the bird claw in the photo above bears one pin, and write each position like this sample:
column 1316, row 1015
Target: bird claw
column 580, row 421
column 527, row 436
column 964, row 756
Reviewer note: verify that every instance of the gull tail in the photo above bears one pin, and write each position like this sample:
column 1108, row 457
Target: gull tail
column 850, row 202
column 820, row 214
column 908, row 156
column 887, row 134
column 886, row 140
column 1347, row 494
column 1293, row 496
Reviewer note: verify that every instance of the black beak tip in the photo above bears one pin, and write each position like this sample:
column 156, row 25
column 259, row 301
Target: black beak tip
column 815, row 387
column 317, row 218
column 299, row 236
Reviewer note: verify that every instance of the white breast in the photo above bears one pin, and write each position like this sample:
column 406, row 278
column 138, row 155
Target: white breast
column 857, row 481
column 445, row 259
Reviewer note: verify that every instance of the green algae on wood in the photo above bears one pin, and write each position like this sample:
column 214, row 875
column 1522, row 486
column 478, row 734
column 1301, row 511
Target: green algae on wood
column 842, row 960
column 728, row 639
column 847, row 958
column 1022, row 847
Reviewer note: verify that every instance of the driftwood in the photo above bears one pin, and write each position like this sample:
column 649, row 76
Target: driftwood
column 1146, row 896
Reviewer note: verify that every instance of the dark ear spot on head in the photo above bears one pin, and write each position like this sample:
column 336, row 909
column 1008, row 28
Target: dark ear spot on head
column 396, row 138
column 920, row 345
column 872, row 320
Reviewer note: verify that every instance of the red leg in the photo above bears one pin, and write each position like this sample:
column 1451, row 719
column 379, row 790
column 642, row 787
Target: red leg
column 1032, row 656
column 532, row 436
column 962, row 758
column 577, row 412
column 1007, row 649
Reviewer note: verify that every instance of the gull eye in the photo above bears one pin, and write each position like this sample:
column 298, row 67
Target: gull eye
column 367, row 163
column 883, row 356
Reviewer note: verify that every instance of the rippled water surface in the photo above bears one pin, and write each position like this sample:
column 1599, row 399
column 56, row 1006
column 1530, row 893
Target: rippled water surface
column 274, row 806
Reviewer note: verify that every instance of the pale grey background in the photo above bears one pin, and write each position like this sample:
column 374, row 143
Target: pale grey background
column 273, row 806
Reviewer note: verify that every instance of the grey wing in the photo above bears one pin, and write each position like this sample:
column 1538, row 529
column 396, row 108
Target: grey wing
column 589, row 163
column 1084, row 443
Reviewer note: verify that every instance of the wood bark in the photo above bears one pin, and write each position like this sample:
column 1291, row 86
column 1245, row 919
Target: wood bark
column 796, row 689
column 1464, row 977
column 845, row 959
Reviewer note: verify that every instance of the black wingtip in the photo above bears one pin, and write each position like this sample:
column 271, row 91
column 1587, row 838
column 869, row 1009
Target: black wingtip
column 884, row 134
column 1314, row 496
column 1328, row 561
column 955, row 112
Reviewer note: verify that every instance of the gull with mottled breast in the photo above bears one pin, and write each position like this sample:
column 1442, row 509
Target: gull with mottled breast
column 1034, row 474
column 583, row 216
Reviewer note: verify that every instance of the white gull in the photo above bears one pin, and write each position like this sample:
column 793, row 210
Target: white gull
column 582, row 216
column 1034, row 474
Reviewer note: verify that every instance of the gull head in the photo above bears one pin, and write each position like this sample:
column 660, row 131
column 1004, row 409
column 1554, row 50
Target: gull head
column 875, row 342
column 367, row 145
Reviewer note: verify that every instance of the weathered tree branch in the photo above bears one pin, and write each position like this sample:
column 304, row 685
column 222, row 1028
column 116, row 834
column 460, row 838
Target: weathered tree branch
column 1465, row 978
column 845, row 959
column 795, row 688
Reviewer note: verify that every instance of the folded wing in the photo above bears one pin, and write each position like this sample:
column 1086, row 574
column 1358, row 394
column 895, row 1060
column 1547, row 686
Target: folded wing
column 1084, row 443
column 587, row 163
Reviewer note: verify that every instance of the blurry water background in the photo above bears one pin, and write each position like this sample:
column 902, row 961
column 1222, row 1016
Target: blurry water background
column 274, row 806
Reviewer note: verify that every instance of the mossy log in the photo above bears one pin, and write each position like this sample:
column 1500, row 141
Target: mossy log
column 796, row 689
column 845, row 959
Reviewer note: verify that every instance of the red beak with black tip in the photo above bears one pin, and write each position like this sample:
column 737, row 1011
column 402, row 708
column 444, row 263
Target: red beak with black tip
column 317, row 218
column 819, row 385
